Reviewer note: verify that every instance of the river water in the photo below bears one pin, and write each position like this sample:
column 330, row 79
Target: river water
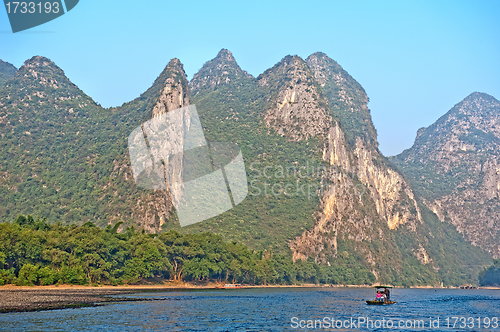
column 278, row 309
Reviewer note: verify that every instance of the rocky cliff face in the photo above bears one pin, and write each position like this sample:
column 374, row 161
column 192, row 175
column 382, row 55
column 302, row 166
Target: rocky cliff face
column 317, row 98
column 359, row 177
column 175, row 93
column 154, row 208
column 455, row 166
column 348, row 99
column 297, row 108
column 66, row 142
column 65, row 157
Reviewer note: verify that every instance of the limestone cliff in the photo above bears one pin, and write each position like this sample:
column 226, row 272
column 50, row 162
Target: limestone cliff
column 154, row 207
column 359, row 178
column 71, row 150
column 297, row 107
column 348, row 99
column 65, row 157
column 358, row 182
column 454, row 165
column 175, row 93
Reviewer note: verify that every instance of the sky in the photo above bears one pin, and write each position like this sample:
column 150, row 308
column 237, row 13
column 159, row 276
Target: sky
column 415, row 59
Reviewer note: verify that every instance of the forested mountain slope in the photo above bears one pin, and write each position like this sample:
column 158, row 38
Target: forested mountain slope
column 454, row 165
column 319, row 189
column 7, row 70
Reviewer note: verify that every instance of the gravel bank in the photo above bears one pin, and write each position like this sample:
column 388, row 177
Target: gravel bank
column 17, row 300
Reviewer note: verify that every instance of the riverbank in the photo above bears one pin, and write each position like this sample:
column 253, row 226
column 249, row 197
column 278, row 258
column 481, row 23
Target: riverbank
column 37, row 298
column 165, row 286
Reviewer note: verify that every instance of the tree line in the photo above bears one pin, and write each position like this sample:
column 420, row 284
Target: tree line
column 490, row 276
column 35, row 252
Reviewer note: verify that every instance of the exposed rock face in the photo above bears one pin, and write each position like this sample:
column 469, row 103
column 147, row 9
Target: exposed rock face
column 219, row 71
column 175, row 94
column 149, row 209
column 154, row 208
column 52, row 114
column 355, row 187
column 422, row 255
column 454, row 165
column 298, row 109
column 359, row 174
column 347, row 98
column 335, row 150
column 345, row 90
column 388, row 190
column 67, row 158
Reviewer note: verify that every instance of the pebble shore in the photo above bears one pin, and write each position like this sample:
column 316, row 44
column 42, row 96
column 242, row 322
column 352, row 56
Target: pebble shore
column 19, row 300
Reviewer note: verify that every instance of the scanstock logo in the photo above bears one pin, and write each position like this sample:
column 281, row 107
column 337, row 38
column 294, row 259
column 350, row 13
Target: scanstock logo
column 28, row 14
column 170, row 152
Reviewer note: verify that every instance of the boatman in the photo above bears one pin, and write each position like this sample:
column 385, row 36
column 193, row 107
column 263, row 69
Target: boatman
column 387, row 294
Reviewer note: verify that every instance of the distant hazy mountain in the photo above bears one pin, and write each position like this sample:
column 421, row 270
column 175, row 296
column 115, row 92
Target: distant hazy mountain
column 7, row 71
column 319, row 188
column 454, row 165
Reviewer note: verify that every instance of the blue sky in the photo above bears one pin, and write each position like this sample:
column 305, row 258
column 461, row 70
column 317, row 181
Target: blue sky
column 415, row 59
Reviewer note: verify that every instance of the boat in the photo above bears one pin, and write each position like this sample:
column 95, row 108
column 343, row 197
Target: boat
column 468, row 287
column 386, row 301
column 230, row 286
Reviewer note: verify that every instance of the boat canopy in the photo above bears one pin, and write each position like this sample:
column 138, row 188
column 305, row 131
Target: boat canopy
column 382, row 286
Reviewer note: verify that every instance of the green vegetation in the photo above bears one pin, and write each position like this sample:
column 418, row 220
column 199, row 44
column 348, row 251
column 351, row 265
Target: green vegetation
column 490, row 276
column 34, row 252
column 451, row 167
column 65, row 158
column 347, row 100
column 443, row 158
column 7, row 71
column 267, row 218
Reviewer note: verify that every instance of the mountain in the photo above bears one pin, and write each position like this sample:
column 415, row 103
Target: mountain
column 233, row 112
column 454, row 165
column 7, row 71
column 364, row 213
column 355, row 165
column 219, row 71
column 66, row 158
column 319, row 188
column 297, row 108
column 348, row 99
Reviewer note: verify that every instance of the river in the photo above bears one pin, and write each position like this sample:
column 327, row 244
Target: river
column 276, row 309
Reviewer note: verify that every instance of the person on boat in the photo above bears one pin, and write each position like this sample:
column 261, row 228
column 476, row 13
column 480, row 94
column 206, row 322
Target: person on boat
column 387, row 294
column 384, row 298
column 379, row 296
